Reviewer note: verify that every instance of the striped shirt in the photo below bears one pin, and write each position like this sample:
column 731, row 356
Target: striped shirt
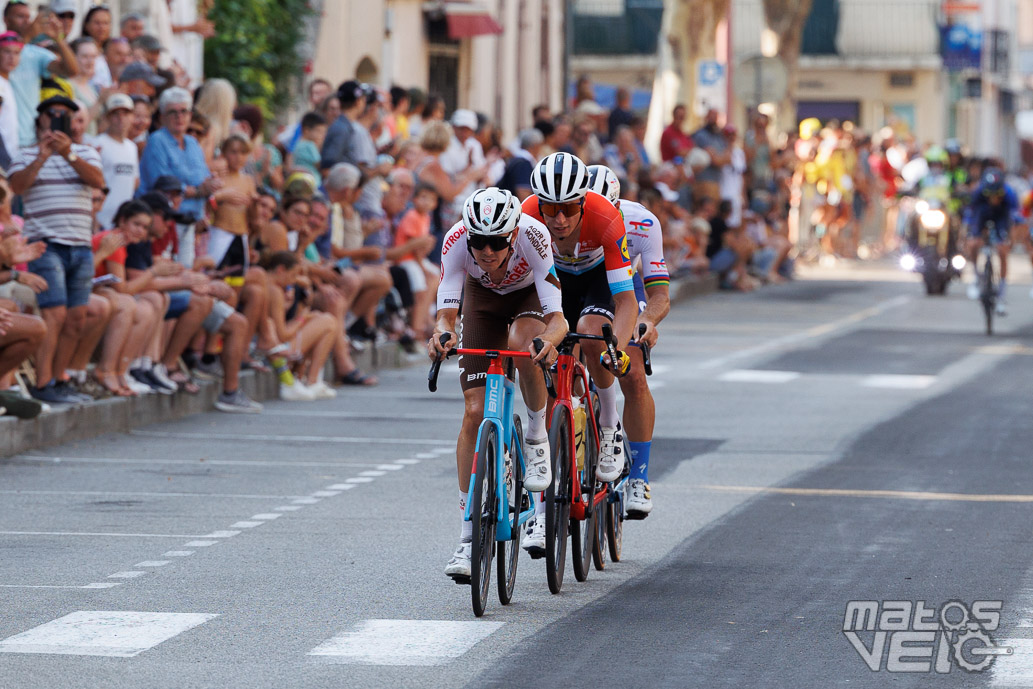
column 58, row 205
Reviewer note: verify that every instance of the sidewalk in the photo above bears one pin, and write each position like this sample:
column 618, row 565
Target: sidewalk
column 120, row 415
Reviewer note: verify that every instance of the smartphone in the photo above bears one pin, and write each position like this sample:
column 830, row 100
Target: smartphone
column 108, row 279
column 61, row 123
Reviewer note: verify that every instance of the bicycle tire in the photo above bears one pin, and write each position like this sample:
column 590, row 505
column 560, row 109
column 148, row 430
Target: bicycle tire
column 582, row 531
column 557, row 498
column 599, row 546
column 988, row 294
column 615, row 511
column 509, row 551
column 482, row 516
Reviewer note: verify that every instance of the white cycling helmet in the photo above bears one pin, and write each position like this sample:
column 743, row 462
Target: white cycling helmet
column 560, row 178
column 602, row 181
column 491, row 212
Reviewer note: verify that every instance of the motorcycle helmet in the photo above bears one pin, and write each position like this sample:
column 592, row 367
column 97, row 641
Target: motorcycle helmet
column 934, row 155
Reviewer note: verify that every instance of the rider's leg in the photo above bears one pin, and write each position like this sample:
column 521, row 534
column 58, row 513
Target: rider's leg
column 592, row 323
column 532, row 384
column 639, row 415
column 472, row 415
column 1003, row 249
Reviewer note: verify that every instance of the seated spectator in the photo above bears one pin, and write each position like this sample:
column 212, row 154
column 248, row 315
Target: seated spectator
column 306, row 152
column 117, row 55
column 265, row 163
column 413, row 236
column 729, row 250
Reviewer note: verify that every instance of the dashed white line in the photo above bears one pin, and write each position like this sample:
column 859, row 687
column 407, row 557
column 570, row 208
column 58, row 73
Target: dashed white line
column 222, row 534
column 95, row 533
column 266, row 516
column 360, row 479
column 425, row 455
column 102, row 585
column 126, row 575
column 178, row 553
column 389, row 467
column 326, row 493
column 246, row 525
column 152, row 563
column 897, row 382
column 407, row 461
column 372, row 473
column 305, row 501
column 341, row 486
column 442, row 450
column 287, row 508
column 199, row 544
column 236, row 437
column 758, row 376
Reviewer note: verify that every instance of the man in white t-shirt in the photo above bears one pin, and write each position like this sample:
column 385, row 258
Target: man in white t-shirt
column 10, row 55
column 119, row 157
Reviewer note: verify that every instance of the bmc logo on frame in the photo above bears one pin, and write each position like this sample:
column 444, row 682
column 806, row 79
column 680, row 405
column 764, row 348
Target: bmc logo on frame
column 906, row 636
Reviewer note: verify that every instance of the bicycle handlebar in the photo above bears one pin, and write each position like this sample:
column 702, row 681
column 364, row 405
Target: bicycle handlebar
column 647, row 364
column 538, row 346
column 432, row 377
column 435, row 367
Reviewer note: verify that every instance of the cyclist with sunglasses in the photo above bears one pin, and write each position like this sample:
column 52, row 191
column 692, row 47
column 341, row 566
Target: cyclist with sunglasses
column 590, row 249
column 496, row 266
column 652, row 283
column 992, row 202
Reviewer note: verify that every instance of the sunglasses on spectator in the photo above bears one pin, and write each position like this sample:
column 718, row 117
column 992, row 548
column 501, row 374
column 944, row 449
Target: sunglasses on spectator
column 480, row 241
column 554, row 209
column 67, row 15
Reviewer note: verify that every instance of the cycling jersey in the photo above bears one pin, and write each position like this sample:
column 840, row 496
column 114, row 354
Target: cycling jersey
column 602, row 241
column 530, row 263
column 645, row 242
column 981, row 212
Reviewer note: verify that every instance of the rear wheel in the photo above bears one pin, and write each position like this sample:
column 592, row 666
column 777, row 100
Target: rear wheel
column 482, row 516
column 599, row 544
column 582, row 531
column 509, row 551
column 557, row 497
column 988, row 295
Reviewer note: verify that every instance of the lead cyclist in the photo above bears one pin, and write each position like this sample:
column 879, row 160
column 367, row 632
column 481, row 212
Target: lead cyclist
column 652, row 288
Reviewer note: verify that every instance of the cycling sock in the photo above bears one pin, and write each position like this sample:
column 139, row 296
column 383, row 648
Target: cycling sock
column 466, row 533
column 283, row 370
column 1001, row 288
column 608, row 405
column 539, row 505
column 536, row 424
column 640, row 459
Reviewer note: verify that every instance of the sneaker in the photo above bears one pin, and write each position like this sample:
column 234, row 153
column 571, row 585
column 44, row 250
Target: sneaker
column 208, row 371
column 1001, row 308
column 161, row 374
column 611, row 454
column 16, row 405
column 539, row 465
column 296, row 392
column 639, row 503
column 237, row 403
column 138, row 387
column 322, row 391
column 459, row 566
column 973, row 291
column 50, row 394
column 534, row 538
column 147, row 377
column 66, row 388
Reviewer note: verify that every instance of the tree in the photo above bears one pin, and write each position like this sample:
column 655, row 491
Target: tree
column 256, row 48
column 692, row 37
column 785, row 20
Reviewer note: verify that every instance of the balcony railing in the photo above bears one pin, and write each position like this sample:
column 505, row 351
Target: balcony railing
column 616, row 27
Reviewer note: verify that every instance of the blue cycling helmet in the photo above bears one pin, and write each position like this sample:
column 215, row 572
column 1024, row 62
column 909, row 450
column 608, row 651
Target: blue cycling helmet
column 992, row 183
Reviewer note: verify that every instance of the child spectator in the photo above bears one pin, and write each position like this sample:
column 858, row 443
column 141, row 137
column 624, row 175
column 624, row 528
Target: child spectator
column 227, row 237
column 306, row 153
column 415, row 225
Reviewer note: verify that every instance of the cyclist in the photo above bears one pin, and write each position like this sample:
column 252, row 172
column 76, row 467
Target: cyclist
column 645, row 247
column 497, row 267
column 590, row 248
column 992, row 202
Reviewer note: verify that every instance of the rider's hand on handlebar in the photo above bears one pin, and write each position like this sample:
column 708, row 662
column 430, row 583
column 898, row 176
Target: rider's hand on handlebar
column 649, row 337
column 623, row 363
column 548, row 355
column 434, row 346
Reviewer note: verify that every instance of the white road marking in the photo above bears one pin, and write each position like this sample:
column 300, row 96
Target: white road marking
column 249, row 437
column 389, row 467
column 107, row 493
column 372, row 472
column 443, row 450
column 758, row 376
column 199, row 544
column 894, row 382
column 425, row 455
column 103, row 585
column 326, row 493
column 341, row 486
column 404, row 642
column 266, row 515
column 360, row 479
column 126, row 575
column 122, row 634
column 407, row 461
column 246, row 525
column 305, row 501
column 48, row 586
column 287, row 508
column 178, row 553
column 96, row 533
column 222, row 534
column 152, row 563
column 364, row 415
column 1015, row 670
column 213, row 462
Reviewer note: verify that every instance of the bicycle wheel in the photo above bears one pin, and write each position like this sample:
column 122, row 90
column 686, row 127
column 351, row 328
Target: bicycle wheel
column 988, row 294
column 483, row 513
column 582, row 531
column 557, row 498
column 509, row 551
column 599, row 543
column 615, row 510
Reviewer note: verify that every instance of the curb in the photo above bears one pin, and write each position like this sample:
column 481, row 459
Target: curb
column 691, row 288
column 121, row 415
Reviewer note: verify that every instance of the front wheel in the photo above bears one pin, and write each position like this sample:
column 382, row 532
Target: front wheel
column 557, row 497
column 482, row 516
column 988, row 295
column 509, row 551
column 582, row 531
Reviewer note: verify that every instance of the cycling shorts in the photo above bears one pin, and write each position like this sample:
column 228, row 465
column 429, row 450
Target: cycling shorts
column 585, row 294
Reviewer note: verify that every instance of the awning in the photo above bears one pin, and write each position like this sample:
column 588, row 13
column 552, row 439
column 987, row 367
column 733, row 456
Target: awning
column 469, row 19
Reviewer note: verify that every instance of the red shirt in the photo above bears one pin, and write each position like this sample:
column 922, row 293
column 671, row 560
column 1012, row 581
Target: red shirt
column 118, row 256
column 674, row 143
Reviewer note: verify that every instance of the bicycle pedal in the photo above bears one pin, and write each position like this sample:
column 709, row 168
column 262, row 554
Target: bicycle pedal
column 536, row 553
column 460, row 579
column 636, row 516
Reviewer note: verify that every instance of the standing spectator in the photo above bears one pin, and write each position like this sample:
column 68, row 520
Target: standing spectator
column 171, row 151
column 398, row 122
column 465, row 150
column 35, row 64
column 216, row 100
column 621, row 113
column 97, row 25
column 517, row 177
column 758, row 156
column 433, row 142
column 56, row 192
column 265, row 163
column 10, row 54
column 86, row 53
column 132, row 26
column 65, row 11
column 139, row 79
column 120, row 159
column 306, row 153
column 342, row 141
column 710, row 139
column 117, row 56
column 732, row 177
column 140, row 123
column 674, row 142
column 318, row 91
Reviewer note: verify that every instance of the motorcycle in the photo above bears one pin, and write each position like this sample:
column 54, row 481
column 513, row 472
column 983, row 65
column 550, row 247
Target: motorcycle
column 932, row 246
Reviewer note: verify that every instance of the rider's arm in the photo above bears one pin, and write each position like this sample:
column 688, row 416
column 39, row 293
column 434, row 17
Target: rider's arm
column 619, row 275
column 450, row 289
column 534, row 243
column 658, row 305
column 655, row 278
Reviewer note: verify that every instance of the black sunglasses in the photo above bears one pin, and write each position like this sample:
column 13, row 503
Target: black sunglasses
column 67, row 15
column 480, row 241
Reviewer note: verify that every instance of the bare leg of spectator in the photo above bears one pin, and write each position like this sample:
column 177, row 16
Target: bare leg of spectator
column 55, row 321
column 116, row 340
column 234, row 344
column 150, row 307
column 255, row 305
column 99, row 312
column 186, row 327
column 376, row 283
column 72, row 332
column 24, row 335
column 317, row 339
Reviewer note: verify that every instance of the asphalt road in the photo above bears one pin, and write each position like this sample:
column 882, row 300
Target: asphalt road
column 840, row 438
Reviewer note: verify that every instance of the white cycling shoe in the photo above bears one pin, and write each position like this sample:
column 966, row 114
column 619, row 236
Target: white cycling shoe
column 973, row 291
column 539, row 465
column 639, row 503
column 459, row 566
column 534, row 538
column 1001, row 308
column 611, row 454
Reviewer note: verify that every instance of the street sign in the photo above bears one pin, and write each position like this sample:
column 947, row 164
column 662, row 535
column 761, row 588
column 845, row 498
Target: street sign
column 760, row 79
column 711, row 89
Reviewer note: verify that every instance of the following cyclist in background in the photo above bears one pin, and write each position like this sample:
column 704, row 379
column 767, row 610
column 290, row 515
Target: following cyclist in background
column 993, row 204
column 590, row 249
column 496, row 264
column 652, row 291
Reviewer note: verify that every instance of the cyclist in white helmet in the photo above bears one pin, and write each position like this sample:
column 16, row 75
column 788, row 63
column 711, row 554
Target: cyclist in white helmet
column 496, row 265
column 652, row 290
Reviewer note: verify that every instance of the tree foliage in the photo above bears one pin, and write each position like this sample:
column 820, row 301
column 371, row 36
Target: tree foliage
column 787, row 18
column 256, row 48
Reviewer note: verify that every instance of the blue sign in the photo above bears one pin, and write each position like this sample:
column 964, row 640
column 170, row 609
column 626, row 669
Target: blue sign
column 962, row 47
column 711, row 73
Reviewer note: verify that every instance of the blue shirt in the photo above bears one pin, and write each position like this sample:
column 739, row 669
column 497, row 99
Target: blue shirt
column 981, row 211
column 163, row 156
column 25, row 80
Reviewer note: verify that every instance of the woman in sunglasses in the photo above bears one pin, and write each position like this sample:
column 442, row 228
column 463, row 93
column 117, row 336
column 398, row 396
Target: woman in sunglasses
column 497, row 262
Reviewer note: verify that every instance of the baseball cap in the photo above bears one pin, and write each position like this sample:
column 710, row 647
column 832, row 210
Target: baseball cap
column 590, row 107
column 464, row 118
column 168, row 183
column 670, row 195
column 57, row 100
column 148, row 43
column 158, row 203
column 11, row 37
column 64, row 6
column 118, row 101
column 141, row 71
